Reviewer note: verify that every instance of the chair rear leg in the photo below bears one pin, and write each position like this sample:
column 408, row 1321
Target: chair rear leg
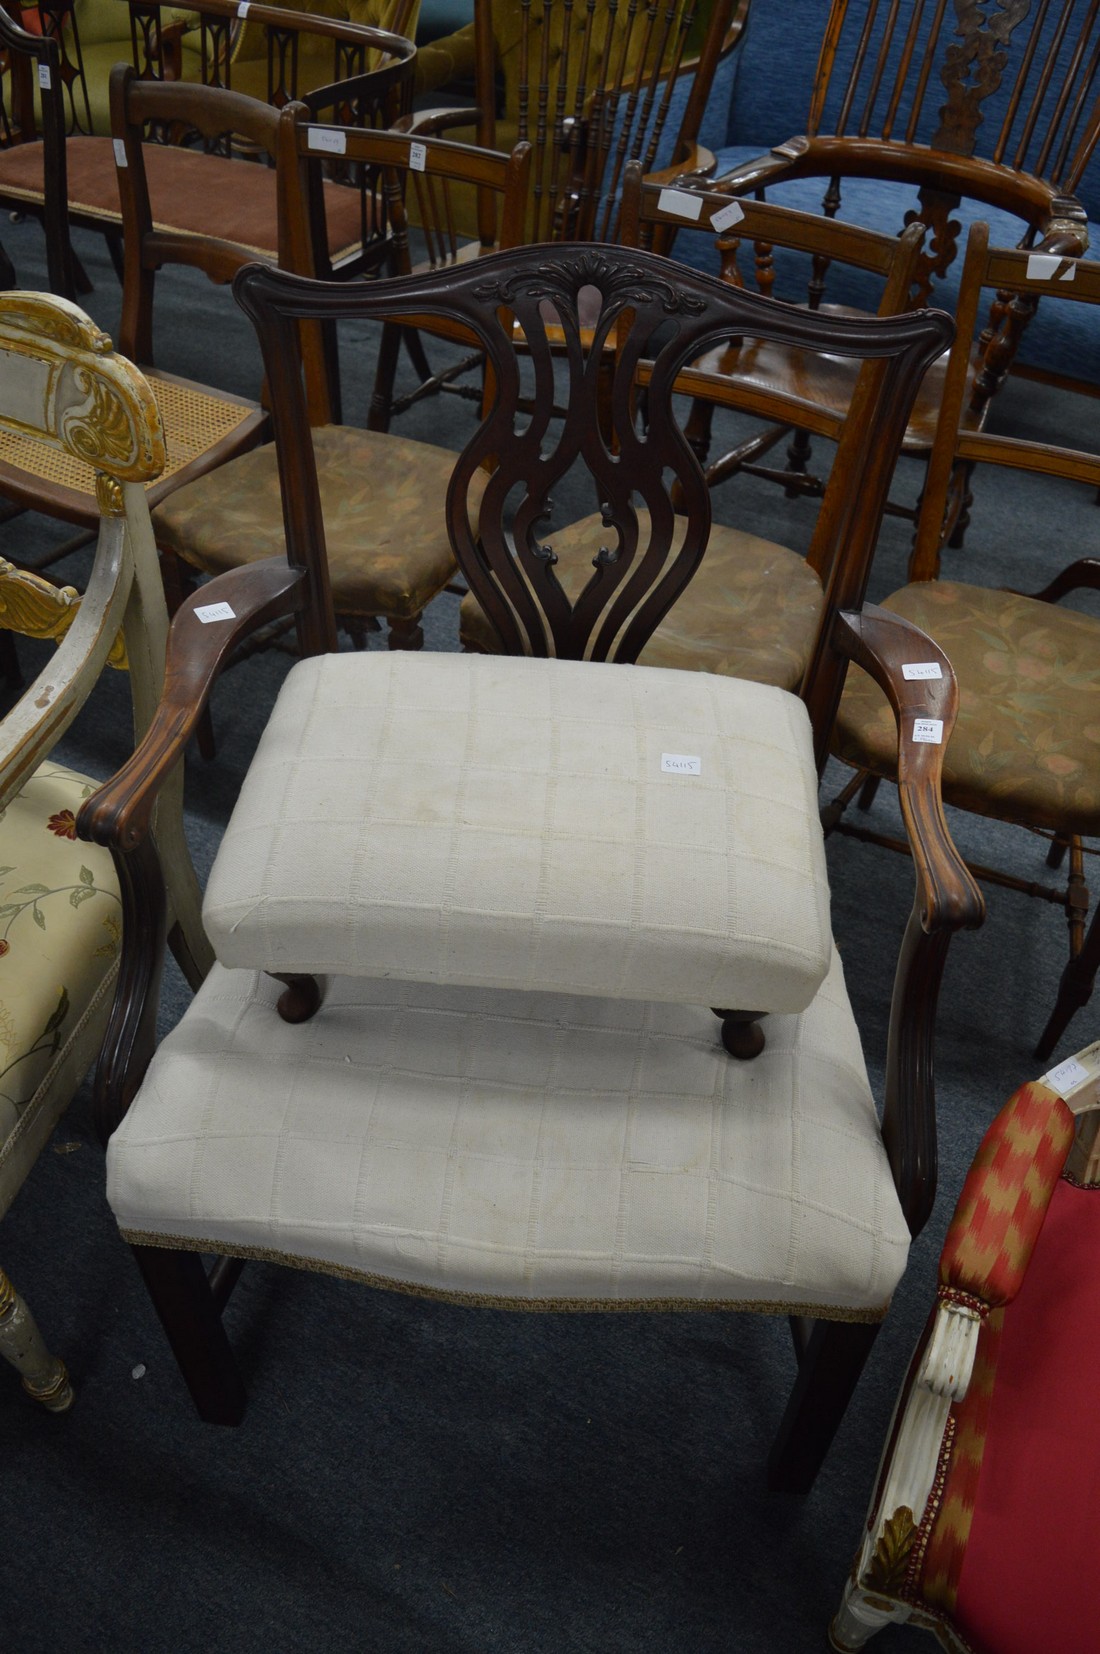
column 829, row 1366
column 183, row 1299
column 405, row 633
column 1074, row 989
column 44, row 1376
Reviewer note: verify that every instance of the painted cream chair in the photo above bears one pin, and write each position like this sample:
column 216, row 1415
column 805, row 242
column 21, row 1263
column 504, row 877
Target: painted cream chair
column 63, row 388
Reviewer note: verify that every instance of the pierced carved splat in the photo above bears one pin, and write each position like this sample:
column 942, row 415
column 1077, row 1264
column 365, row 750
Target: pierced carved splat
column 974, row 67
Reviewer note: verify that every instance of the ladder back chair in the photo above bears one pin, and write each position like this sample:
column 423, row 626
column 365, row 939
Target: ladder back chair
column 541, row 897
column 64, row 389
column 74, row 179
column 1025, row 746
column 382, row 496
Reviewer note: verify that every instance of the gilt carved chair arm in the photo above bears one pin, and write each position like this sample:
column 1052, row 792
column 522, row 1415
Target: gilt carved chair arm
column 925, row 705
column 120, row 814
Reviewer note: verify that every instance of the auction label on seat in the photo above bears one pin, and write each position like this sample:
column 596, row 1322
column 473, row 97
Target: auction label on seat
column 679, row 763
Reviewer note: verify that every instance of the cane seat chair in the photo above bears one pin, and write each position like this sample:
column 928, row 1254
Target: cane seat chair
column 943, row 114
column 1025, row 747
column 382, row 496
column 754, row 607
column 513, row 1092
column 981, row 1522
column 62, row 386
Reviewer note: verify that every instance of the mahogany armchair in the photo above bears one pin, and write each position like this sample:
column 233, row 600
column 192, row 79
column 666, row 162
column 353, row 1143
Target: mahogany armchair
column 940, row 113
column 64, row 390
column 1025, row 748
column 500, row 894
column 981, row 1521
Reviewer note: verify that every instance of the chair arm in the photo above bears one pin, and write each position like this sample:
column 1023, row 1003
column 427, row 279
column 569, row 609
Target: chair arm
column 119, row 815
column 763, row 170
column 699, row 164
column 884, row 644
column 429, row 123
column 1005, row 1197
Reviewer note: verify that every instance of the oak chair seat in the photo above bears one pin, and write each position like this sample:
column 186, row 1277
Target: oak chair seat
column 752, row 610
column 812, row 383
column 533, row 1152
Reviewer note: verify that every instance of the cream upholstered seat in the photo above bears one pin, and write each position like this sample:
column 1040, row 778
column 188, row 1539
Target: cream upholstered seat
column 69, row 400
column 522, row 1149
column 517, row 823
column 505, row 892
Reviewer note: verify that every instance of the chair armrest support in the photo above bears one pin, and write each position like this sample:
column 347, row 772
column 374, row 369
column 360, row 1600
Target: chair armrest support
column 883, row 644
column 946, row 897
column 431, row 122
column 700, row 163
column 119, row 815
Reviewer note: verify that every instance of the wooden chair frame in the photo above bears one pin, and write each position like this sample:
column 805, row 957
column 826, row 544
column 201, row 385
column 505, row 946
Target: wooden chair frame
column 623, row 602
column 1019, row 285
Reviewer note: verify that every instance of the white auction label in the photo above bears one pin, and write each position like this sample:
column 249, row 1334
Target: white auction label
column 1067, row 1075
column 330, row 139
column 242, row 9
column 678, row 763
column 726, row 216
column 681, row 202
column 120, row 152
column 928, row 730
column 1045, row 267
column 418, row 157
column 209, row 612
column 922, row 669
column 44, row 77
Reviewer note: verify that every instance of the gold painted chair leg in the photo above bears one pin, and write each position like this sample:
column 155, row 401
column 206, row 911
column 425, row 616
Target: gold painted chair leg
column 44, row 1376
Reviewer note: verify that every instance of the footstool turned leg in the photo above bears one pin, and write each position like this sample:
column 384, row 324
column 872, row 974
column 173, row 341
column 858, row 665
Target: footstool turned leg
column 44, row 1376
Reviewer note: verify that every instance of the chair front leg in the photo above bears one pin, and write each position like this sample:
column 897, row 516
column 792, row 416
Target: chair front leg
column 188, row 1311
column 44, row 1375
column 828, row 1369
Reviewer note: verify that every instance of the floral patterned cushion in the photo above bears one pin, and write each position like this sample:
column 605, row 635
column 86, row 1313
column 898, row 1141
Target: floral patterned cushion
column 383, row 502
column 60, row 928
column 751, row 610
column 1026, row 746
